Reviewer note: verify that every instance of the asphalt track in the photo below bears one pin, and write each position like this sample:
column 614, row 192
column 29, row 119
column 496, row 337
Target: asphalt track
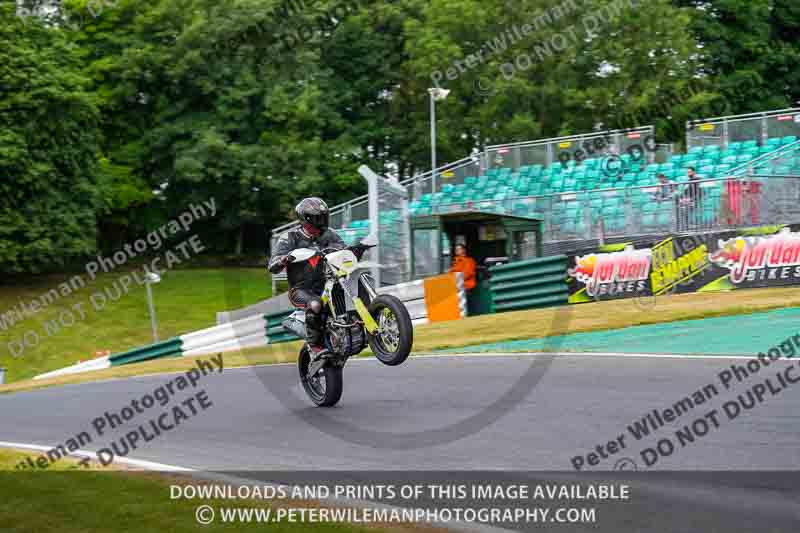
column 582, row 401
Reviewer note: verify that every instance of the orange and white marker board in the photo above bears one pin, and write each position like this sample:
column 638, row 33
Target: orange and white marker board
column 441, row 298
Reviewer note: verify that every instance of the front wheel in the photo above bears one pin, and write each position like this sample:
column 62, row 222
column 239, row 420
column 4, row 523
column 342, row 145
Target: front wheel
column 395, row 336
column 325, row 387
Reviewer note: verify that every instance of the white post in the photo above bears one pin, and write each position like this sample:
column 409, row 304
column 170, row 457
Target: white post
column 374, row 215
column 152, row 313
column 150, row 279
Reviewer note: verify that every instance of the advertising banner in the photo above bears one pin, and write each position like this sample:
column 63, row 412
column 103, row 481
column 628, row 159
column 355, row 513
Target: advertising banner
column 760, row 257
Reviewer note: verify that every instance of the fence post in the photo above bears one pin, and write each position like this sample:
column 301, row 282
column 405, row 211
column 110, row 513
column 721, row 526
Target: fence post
column 725, row 134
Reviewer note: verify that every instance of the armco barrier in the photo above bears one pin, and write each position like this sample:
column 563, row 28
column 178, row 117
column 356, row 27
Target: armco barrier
column 531, row 283
column 275, row 332
column 412, row 294
column 430, row 300
column 245, row 333
column 169, row 348
column 95, row 364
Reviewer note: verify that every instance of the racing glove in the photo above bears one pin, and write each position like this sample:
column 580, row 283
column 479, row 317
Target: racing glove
column 279, row 263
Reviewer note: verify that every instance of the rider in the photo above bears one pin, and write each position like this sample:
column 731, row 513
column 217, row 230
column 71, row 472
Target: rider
column 307, row 279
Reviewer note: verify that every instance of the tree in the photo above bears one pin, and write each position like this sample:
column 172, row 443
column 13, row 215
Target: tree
column 750, row 50
column 48, row 149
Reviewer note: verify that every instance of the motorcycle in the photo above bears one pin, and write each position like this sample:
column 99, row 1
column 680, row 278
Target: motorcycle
column 355, row 316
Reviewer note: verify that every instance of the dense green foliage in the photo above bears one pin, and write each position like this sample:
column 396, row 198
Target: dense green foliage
column 123, row 112
column 49, row 134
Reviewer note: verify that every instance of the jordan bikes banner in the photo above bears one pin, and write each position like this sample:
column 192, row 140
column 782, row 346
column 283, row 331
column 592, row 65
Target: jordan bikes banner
column 758, row 257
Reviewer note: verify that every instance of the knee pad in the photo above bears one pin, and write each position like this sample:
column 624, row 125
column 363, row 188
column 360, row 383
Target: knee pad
column 315, row 306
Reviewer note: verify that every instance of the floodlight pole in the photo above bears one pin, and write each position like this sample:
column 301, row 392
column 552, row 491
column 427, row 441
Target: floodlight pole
column 436, row 93
column 433, row 142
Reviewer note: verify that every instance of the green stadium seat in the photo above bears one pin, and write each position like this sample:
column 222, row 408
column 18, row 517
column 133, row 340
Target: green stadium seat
column 747, row 145
column 765, row 149
column 774, row 142
column 722, row 169
column 734, row 147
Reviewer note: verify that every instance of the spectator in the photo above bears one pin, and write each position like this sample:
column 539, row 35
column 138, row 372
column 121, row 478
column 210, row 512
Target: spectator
column 666, row 188
column 693, row 190
column 466, row 265
column 690, row 200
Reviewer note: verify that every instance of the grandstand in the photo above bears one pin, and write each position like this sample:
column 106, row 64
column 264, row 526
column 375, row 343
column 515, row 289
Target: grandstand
column 747, row 166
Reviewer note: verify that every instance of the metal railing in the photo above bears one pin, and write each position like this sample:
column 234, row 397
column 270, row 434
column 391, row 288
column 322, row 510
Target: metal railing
column 765, row 190
column 702, row 205
column 722, row 131
column 587, row 145
column 771, row 159
column 474, row 165
column 358, row 208
column 719, row 131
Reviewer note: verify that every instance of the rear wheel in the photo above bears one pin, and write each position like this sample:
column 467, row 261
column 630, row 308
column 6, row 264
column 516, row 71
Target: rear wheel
column 323, row 388
column 395, row 336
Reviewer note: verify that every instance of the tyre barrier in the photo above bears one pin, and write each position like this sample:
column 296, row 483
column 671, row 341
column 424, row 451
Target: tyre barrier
column 529, row 284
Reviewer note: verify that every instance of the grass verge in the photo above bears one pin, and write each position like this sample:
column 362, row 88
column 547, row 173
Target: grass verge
column 519, row 325
column 185, row 300
column 70, row 499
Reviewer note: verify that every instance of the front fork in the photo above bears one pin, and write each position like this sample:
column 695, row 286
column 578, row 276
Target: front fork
column 358, row 303
column 363, row 312
column 366, row 281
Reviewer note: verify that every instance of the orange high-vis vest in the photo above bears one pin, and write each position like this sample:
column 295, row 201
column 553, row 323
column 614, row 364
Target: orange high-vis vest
column 465, row 265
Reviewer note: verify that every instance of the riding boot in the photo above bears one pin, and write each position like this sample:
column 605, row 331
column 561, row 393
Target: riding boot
column 314, row 328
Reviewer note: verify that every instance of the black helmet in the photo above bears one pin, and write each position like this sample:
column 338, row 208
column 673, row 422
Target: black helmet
column 313, row 211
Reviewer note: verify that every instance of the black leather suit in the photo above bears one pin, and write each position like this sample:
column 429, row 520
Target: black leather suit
column 306, row 279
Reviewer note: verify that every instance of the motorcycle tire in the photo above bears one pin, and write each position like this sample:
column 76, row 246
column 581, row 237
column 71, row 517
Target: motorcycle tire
column 396, row 351
column 323, row 395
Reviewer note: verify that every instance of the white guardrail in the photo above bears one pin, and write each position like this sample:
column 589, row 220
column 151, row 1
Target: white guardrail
column 248, row 332
column 87, row 366
column 251, row 331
